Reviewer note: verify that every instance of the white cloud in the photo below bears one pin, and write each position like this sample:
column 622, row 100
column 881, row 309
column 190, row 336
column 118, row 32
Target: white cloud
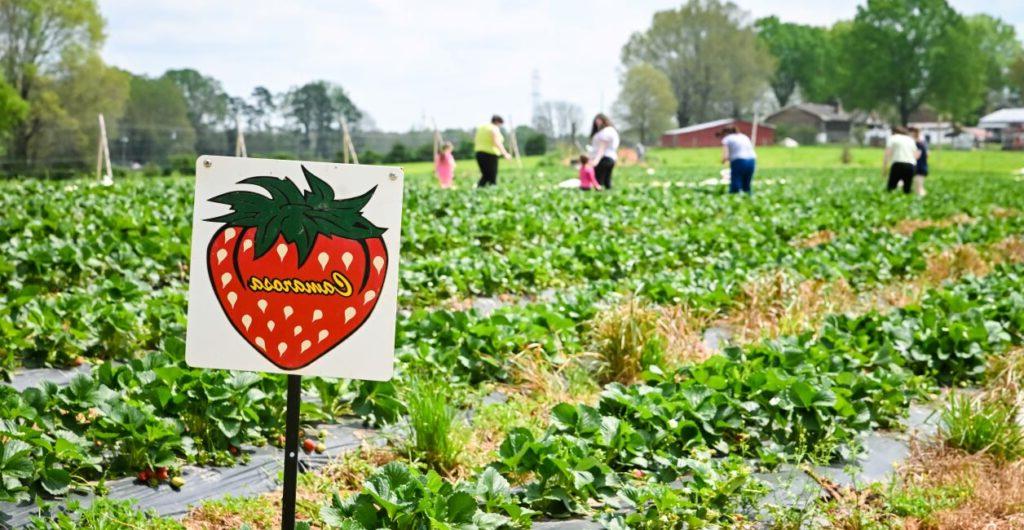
column 457, row 61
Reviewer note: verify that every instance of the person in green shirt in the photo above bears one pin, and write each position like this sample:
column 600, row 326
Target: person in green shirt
column 489, row 144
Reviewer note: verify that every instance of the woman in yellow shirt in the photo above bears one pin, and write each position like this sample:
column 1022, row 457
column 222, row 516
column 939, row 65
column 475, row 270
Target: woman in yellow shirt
column 489, row 144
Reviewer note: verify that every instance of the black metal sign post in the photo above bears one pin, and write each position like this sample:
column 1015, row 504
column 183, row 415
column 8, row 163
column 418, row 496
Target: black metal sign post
column 291, row 451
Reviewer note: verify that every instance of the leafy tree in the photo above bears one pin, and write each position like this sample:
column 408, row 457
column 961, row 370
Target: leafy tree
column 13, row 109
column 535, row 144
column 425, row 152
column 1015, row 77
column 208, row 107
column 398, row 153
column 156, row 123
column 710, row 54
column 901, row 54
column 805, row 56
column 366, row 157
column 39, row 38
column 316, row 108
column 86, row 88
column 646, row 103
column 262, row 108
column 999, row 48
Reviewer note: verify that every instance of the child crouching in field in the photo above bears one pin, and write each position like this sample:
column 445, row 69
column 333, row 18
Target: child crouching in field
column 444, row 165
column 588, row 181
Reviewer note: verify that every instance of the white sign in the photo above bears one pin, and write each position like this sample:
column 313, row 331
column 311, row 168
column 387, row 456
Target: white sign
column 294, row 267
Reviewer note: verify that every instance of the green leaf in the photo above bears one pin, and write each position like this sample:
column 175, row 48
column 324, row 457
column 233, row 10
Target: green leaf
column 55, row 481
column 461, row 507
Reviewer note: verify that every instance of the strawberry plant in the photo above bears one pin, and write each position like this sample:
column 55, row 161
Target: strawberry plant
column 397, row 496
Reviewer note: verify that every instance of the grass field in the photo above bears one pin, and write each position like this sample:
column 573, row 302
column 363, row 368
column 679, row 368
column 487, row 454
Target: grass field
column 830, row 157
column 841, row 305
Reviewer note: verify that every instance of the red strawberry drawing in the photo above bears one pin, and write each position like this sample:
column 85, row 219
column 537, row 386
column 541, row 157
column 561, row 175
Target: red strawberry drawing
column 296, row 272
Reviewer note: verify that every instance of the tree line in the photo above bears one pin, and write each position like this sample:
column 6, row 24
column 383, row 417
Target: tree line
column 708, row 60
column 704, row 60
column 54, row 84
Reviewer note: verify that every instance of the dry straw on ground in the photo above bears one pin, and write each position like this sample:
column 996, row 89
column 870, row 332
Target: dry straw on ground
column 813, row 240
column 909, row 226
column 775, row 304
column 996, row 491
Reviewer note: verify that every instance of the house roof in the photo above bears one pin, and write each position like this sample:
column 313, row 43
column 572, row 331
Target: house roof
column 710, row 125
column 700, row 126
column 822, row 111
column 1002, row 118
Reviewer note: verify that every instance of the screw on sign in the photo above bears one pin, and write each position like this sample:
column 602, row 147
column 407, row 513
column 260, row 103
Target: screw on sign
column 294, row 270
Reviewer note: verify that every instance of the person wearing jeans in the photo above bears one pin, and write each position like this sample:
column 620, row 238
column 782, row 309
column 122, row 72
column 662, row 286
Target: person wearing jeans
column 738, row 151
column 489, row 144
column 741, row 171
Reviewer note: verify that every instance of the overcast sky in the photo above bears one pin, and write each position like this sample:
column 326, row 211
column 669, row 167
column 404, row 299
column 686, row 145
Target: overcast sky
column 455, row 61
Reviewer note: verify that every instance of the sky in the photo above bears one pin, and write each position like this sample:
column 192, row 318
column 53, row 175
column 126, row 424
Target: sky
column 407, row 63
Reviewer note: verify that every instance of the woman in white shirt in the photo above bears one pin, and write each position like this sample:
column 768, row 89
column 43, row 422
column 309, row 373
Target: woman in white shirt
column 604, row 147
column 738, row 151
column 900, row 159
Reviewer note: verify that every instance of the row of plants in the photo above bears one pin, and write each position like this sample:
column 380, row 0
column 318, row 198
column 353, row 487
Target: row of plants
column 59, row 236
column 770, row 400
column 806, row 397
column 945, row 338
column 117, row 316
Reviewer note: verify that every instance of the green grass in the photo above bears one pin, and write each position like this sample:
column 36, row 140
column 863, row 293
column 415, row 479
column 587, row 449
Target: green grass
column 979, row 425
column 434, row 424
column 830, row 157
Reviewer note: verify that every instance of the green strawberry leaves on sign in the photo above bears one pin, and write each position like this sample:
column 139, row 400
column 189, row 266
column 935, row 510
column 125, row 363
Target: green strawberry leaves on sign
column 299, row 217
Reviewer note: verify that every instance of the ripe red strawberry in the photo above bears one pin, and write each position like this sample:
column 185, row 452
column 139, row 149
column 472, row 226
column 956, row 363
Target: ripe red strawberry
column 308, row 445
column 296, row 272
column 144, row 475
column 161, row 474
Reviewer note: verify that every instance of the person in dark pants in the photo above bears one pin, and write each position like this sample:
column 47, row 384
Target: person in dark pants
column 921, row 168
column 604, row 148
column 738, row 151
column 900, row 159
column 489, row 144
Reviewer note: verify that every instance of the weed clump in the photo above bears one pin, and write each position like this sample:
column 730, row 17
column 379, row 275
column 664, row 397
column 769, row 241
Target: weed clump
column 627, row 341
column 983, row 425
column 433, row 425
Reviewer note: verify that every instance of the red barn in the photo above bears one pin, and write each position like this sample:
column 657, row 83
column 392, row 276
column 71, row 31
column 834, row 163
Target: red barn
column 704, row 134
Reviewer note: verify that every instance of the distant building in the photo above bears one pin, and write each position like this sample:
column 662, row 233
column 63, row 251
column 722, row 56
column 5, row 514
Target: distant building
column 1005, row 126
column 934, row 129
column 705, row 134
column 831, row 123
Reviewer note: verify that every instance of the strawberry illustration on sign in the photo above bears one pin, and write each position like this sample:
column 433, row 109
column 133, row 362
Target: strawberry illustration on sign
column 296, row 272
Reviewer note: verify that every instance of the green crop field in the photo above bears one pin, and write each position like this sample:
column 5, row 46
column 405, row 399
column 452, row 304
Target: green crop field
column 587, row 313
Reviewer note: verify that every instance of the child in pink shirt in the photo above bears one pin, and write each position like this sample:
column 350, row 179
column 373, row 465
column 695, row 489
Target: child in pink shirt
column 444, row 165
column 587, row 179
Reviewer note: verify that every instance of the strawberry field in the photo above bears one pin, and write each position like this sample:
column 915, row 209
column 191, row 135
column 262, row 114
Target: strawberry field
column 641, row 358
